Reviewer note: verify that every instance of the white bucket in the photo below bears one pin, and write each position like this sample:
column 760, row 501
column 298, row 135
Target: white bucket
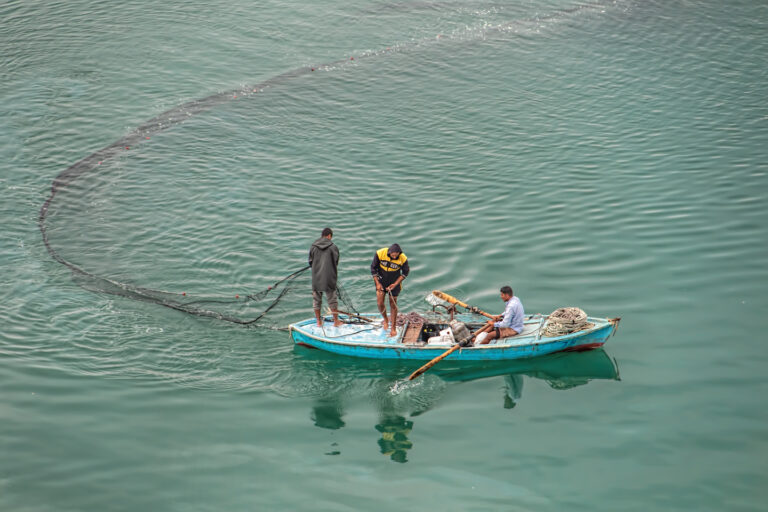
column 445, row 337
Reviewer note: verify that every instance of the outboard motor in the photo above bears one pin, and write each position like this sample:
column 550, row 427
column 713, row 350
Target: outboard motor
column 460, row 333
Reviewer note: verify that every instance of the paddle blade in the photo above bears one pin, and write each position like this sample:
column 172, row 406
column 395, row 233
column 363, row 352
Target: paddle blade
column 433, row 300
column 448, row 298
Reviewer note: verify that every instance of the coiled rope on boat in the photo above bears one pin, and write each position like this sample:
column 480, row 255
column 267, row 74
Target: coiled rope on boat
column 564, row 321
column 411, row 318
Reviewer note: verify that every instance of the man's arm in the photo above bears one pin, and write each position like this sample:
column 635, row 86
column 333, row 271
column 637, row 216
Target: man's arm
column 375, row 271
column 375, row 265
column 506, row 319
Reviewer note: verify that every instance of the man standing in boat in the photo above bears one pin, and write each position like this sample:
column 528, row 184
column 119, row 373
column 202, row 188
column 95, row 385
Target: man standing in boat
column 324, row 260
column 509, row 323
column 388, row 268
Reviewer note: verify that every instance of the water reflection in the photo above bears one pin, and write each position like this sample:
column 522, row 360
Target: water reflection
column 394, row 437
column 336, row 380
column 327, row 413
column 560, row 371
column 514, row 390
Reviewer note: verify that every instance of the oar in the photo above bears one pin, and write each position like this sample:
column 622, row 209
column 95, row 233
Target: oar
column 454, row 300
column 436, row 360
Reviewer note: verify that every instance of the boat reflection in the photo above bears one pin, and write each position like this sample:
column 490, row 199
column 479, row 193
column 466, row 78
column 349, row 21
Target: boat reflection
column 560, row 371
column 338, row 380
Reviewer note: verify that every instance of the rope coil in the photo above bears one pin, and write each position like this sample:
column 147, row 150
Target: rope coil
column 564, row 321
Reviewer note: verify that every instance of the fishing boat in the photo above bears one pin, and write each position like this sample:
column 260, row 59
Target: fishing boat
column 419, row 339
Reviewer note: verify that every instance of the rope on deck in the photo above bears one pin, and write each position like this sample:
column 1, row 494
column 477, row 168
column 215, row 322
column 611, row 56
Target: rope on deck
column 564, row 321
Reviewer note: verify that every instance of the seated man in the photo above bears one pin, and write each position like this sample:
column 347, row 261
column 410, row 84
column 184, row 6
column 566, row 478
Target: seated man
column 509, row 323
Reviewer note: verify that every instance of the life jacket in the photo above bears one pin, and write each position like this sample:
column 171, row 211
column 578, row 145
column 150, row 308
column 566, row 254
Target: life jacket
column 387, row 264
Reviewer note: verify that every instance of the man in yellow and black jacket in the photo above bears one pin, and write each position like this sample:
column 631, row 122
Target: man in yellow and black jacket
column 388, row 268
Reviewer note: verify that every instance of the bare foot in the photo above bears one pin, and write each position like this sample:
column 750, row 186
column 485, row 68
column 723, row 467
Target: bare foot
column 384, row 325
column 319, row 324
column 393, row 333
column 337, row 323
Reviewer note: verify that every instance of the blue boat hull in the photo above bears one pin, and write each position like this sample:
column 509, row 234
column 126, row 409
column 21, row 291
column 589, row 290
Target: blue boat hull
column 391, row 349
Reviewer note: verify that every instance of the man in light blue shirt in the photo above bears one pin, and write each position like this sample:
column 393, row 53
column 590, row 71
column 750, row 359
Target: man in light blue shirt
column 509, row 323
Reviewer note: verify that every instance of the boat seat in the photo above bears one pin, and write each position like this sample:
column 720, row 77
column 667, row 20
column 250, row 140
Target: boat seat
column 529, row 329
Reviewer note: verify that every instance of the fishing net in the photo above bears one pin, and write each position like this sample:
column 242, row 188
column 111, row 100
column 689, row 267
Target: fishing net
column 272, row 299
column 85, row 248
column 271, row 305
column 275, row 306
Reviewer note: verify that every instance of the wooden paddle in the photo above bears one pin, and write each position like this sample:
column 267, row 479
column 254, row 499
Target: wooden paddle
column 454, row 300
column 434, row 361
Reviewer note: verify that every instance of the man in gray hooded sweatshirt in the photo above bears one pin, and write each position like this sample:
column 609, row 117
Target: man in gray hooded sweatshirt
column 324, row 260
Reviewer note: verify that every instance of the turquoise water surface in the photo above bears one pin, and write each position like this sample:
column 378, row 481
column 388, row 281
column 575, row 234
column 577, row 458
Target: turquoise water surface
column 610, row 155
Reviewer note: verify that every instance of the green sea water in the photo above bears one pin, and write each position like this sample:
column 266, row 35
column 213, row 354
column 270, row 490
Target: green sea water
column 606, row 155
